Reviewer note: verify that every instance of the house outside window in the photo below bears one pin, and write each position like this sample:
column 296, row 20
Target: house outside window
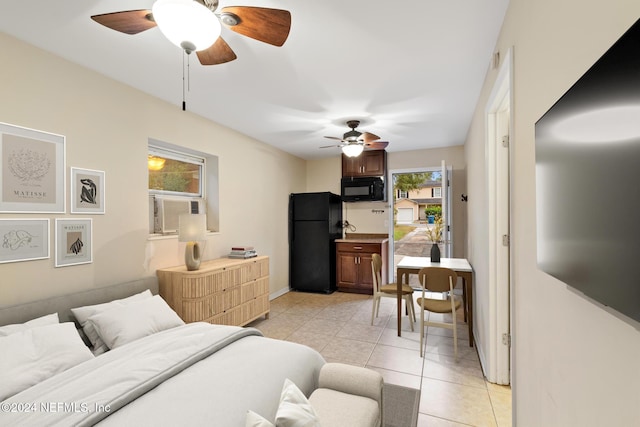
column 436, row 192
column 403, row 194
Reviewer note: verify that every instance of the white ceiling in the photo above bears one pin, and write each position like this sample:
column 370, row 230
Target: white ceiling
column 410, row 70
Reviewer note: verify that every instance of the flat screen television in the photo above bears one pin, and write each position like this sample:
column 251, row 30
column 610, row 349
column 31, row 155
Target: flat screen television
column 588, row 181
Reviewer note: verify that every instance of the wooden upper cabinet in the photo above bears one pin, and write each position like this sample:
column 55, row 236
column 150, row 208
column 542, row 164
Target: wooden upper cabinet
column 369, row 163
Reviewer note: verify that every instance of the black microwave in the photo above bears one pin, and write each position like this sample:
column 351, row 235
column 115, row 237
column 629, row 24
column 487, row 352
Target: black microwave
column 362, row 189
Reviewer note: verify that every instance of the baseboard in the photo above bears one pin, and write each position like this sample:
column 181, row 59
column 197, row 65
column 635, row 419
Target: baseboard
column 277, row 294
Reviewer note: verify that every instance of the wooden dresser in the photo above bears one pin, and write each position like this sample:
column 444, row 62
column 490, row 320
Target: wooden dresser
column 224, row 291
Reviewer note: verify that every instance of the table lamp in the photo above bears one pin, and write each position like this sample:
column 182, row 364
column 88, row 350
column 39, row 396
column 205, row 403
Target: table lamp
column 191, row 229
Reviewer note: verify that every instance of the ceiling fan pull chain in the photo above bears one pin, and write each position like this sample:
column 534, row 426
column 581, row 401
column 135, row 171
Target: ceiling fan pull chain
column 184, row 103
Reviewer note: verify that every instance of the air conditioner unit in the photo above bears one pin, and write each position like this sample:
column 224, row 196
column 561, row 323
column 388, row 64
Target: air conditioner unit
column 168, row 210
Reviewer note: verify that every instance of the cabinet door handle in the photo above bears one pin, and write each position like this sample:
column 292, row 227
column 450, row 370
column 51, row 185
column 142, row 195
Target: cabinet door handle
column 357, row 248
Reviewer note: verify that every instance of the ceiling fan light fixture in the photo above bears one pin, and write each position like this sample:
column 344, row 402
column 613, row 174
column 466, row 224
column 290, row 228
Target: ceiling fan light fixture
column 186, row 23
column 352, row 150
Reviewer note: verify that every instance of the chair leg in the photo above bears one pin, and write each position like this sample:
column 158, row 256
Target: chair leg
column 455, row 335
column 421, row 331
column 373, row 308
column 409, row 306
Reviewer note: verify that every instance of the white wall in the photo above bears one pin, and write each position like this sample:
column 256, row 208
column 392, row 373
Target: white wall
column 576, row 364
column 107, row 126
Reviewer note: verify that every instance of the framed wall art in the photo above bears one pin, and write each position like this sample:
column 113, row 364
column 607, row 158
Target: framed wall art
column 87, row 191
column 74, row 242
column 24, row 239
column 32, row 170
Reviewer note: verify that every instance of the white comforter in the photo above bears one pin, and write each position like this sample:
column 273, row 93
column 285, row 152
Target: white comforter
column 197, row 374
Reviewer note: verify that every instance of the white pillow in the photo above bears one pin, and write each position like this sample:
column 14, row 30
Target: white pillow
column 255, row 420
column 33, row 355
column 294, row 410
column 133, row 321
column 82, row 314
column 49, row 319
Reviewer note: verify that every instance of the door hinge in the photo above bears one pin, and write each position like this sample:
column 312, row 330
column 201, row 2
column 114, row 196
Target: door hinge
column 505, row 240
column 506, row 339
column 505, row 141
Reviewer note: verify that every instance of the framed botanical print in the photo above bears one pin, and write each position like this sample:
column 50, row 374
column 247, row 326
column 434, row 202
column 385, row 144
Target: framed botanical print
column 32, row 170
column 87, row 191
column 74, row 242
column 24, row 239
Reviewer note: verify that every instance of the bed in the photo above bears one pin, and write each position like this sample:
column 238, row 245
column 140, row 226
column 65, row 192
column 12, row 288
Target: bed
column 185, row 374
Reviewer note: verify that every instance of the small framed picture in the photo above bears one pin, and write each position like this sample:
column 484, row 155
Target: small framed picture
column 74, row 242
column 24, row 239
column 32, row 170
column 87, row 191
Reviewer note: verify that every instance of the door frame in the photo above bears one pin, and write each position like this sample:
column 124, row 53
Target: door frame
column 499, row 121
column 446, row 199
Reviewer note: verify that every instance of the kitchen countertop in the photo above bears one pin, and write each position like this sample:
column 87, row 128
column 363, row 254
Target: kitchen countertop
column 363, row 240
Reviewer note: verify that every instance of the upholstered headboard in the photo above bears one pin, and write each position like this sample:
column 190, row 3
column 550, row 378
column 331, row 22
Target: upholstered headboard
column 63, row 304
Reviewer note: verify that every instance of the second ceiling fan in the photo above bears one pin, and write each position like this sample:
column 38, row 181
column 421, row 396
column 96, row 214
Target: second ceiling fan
column 354, row 142
column 264, row 24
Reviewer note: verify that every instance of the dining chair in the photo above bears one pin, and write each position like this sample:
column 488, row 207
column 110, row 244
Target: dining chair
column 389, row 290
column 438, row 280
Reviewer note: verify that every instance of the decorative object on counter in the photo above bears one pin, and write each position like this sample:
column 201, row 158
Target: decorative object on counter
column 87, row 191
column 242, row 252
column 191, row 229
column 434, row 233
column 435, row 253
column 32, row 170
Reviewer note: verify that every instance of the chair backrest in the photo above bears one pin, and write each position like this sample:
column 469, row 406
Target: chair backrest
column 376, row 269
column 437, row 279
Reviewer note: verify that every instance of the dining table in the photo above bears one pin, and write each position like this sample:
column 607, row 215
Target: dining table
column 412, row 265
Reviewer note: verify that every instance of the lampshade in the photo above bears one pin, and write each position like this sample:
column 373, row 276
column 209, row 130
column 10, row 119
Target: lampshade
column 186, row 23
column 352, row 150
column 192, row 227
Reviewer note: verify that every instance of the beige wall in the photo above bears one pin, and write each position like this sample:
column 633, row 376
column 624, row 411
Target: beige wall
column 575, row 363
column 107, row 126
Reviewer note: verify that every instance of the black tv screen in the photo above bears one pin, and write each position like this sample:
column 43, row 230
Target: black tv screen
column 588, row 181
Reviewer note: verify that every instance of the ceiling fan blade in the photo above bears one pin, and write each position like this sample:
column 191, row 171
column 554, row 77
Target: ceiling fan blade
column 128, row 22
column 334, row 137
column 266, row 25
column 217, row 53
column 329, row 146
column 369, row 137
column 376, row 145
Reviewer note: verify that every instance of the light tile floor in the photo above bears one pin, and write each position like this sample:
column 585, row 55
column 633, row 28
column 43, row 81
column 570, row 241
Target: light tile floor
column 339, row 327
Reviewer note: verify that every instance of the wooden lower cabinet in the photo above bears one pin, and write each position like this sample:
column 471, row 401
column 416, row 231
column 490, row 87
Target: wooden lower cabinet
column 353, row 266
column 223, row 291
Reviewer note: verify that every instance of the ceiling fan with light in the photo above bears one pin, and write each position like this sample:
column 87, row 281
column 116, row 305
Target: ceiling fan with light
column 195, row 25
column 354, row 142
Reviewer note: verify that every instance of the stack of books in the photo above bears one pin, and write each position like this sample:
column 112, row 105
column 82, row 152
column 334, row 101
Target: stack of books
column 242, row 252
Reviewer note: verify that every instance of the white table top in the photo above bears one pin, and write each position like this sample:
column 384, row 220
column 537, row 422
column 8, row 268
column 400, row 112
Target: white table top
column 456, row 264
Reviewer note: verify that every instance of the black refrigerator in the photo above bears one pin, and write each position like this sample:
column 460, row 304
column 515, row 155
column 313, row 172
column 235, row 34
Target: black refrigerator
column 315, row 221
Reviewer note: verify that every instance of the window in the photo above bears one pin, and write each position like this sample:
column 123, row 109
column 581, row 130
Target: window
column 403, row 194
column 436, row 192
column 175, row 173
column 181, row 179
